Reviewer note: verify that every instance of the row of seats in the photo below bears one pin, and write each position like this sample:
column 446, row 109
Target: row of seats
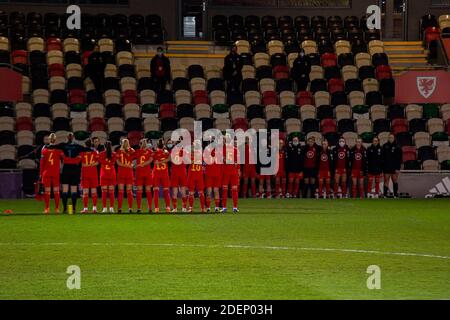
column 140, row 29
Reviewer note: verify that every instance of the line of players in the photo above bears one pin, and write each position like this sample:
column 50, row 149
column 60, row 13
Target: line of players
column 145, row 168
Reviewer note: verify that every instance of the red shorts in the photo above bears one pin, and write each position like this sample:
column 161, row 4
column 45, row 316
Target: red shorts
column 50, row 181
column 228, row 179
column 213, row 181
column 357, row 174
column 341, row 172
column 106, row 181
column 89, row 182
column 144, row 180
column 295, row 175
column 281, row 174
column 125, row 179
column 196, row 181
column 249, row 171
column 178, row 180
column 324, row 175
column 161, row 180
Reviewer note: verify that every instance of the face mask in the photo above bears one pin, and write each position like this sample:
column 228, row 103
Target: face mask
column 170, row 146
column 341, row 144
column 149, row 146
column 160, row 54
column 295, row 143
column 302, row 55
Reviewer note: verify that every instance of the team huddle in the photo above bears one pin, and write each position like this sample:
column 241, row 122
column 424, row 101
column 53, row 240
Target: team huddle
column 307, row 170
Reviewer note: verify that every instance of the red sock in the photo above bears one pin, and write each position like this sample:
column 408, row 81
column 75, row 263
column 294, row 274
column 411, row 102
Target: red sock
column 149, row 200
column 130, row 199
column 184, row 201
column 217, row 202
column 47, row 200
column 245, row 190
column 139, row 199
column 234, row 195
column 283, row 187
column 377, row 184
column 104, row 198
column 369, row 186
column 253, row 189
column 361, row 191
column 208, row 200
column 328, row 187
column 320, row 186
column 354, row 190
column 277, row 188
column 191, row 200
column 291, row 187
column 57, row 197
column 344, row 188
column 156, row 197
column 336, row 188
column 85, row 200
column 120, row 199
column 202, row 200
column 167, row 198
column 94, row 199
column 174, row 203
column 297, row 187
column 111, row 198
column 224, row 197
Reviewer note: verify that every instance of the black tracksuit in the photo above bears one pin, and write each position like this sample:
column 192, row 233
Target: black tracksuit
column 392, row 158
column 294, row 158
column 232, row 72
column 374, row 160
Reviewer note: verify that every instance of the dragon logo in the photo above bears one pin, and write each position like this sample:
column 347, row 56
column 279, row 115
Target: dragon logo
column 426, row 86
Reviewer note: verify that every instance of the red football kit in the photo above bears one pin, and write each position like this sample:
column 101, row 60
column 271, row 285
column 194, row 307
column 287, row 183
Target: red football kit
column 107, row 169
column 230, row 166
column 178, row 175
column 213, row 172
column 324, row 165
column 357, row 163
column 89, row 173
column 341, row 161
column 281, row 173
column 144, row 174
column 195, row 173
column 161, row 170
column 125, row 174
column 50, row 167
column 249, row 171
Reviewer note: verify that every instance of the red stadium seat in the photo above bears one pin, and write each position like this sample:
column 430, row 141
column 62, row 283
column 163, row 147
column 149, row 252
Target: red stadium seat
column 281, row 72
column 54, row 44
column 240, row 123
column 129, row 96
column 328, row 125
column 77, row 96
column 432, row 34
column 384, row 72
column 329, row 60
column 200, row 96
column 305, row 97
column 19, row 56
column 399, row 125
column 167, row 110
column 97, row 124
column 56, row 70
column 135, row 137
column 335, row 85
column 24, row 124
column 409, row 153
column 448, row 126
column 269, row 97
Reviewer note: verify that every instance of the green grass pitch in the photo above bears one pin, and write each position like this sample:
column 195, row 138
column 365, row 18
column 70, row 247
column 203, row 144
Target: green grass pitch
column 272, row 249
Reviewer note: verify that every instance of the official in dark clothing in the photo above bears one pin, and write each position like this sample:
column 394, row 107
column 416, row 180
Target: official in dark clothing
column 392, row 161
column 160, row 70
column 95, row 70
column 294, row 167
column 300, row 71
column 232, row 70
column 310, row 165
column 374, row 166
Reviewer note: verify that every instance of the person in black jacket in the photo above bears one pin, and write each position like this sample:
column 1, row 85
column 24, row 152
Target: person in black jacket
column 294, row 167
column 392, row 161
column 160, row 70
column 358, row 167
column 310, row 165
column 232, row 70
column 95, row 69
column 300, row 71
column 325, row 168
column 374, row 166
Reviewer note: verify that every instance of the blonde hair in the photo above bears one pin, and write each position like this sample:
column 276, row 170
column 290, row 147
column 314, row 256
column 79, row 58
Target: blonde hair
column 52, row 137
column 125, row 142
column 142, row 143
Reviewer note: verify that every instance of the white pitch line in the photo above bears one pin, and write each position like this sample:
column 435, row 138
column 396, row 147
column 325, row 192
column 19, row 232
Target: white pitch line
column 230, row 246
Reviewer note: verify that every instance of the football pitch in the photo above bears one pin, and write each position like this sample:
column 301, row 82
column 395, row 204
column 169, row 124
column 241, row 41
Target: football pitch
column 272, row 249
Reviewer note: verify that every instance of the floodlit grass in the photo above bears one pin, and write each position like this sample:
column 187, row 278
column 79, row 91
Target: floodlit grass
column 272, row 249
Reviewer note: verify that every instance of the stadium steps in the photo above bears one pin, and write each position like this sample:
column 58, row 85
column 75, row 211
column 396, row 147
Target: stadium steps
column 406, row 55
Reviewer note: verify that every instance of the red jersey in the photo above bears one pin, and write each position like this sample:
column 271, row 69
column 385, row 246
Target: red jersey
column 311, row 155
column 178, row 166
column 161, row 168
column 230, row 160
column 325, row 161
column 125, row 158
column 88, row 158
column 107, row 169
column 213, row 169
column 195, row 168
column 141, row 157
column 51, row 162
column 357, row 160
column 281, row 163
column 342, row 158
